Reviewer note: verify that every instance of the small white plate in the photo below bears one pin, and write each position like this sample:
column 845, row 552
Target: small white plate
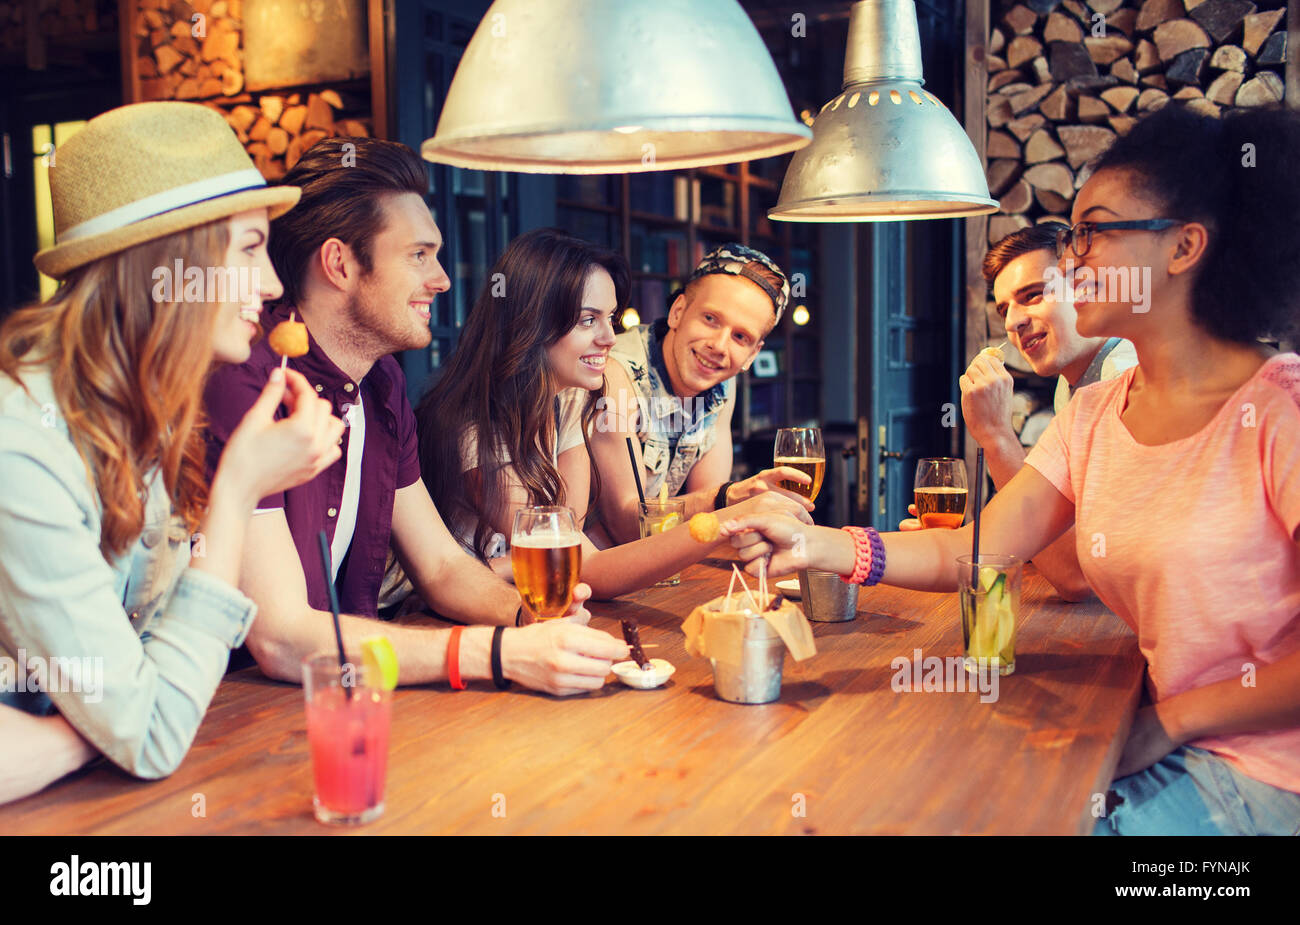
column 633, row 675
column 790, row 588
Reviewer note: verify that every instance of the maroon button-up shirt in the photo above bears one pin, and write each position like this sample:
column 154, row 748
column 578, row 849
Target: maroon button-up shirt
column 390, row 461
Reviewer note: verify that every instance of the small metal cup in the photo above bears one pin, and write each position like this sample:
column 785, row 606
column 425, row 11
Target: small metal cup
column 757, row 679
column 827, row 598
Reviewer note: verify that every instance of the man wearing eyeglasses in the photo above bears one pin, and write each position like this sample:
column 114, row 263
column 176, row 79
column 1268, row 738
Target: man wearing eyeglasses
column 1019, row 269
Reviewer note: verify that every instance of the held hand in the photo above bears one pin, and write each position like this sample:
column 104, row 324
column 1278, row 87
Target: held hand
column 1148, row 742
column 792, row 545
column 269, row 456
column 986, row 390
column 559, row 657
column 769, row 502
column 577, row 613
column 770, row 480
column 910, row 523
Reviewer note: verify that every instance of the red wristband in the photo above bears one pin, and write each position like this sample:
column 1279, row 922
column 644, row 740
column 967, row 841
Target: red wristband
column 453, row 659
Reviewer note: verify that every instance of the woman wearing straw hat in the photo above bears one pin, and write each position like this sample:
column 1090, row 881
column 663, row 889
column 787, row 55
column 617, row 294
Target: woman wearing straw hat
column 118, row 563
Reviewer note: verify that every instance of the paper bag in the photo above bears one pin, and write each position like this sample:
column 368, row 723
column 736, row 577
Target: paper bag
column 712, row 632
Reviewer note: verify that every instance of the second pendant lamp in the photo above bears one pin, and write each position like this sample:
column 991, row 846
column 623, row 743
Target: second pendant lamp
column 885, row 149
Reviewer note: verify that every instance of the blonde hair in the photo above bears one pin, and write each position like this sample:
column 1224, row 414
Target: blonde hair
column 128, row 374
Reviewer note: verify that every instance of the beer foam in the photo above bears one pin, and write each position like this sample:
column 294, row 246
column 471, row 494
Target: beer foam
column 548, row 540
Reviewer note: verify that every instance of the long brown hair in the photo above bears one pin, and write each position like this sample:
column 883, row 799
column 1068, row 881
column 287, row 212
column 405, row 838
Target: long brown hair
column 128, row 374
column 497, row 386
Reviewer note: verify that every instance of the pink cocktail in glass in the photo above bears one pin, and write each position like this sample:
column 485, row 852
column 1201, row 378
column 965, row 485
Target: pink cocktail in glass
column 347, row 730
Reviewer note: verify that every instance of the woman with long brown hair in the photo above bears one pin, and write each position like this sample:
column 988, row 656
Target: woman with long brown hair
column 528, row 373
column 118, row 563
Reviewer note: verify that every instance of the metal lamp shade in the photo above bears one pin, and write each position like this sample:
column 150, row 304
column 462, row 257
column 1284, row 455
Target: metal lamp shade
column 593, row 86
column 884, row 149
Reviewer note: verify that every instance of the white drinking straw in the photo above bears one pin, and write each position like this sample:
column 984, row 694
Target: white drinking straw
column 284, row 360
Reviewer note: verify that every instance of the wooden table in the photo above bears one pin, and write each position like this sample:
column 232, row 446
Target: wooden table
column 840, row 752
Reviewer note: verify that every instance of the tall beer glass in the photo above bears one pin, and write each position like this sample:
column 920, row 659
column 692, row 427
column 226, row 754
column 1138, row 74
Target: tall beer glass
column 801, row 448
column 546, row 556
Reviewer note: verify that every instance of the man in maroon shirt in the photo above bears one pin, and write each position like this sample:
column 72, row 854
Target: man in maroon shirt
column 359, row 264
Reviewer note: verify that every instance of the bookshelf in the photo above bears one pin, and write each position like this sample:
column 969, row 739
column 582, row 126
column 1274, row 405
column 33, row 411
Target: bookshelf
column 664, row 223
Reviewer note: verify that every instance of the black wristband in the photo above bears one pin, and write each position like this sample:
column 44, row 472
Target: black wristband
column 720, row 499
column 498, row 676
column 519, row 616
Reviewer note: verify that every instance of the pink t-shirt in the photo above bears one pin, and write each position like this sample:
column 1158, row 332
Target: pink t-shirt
column 1193, row 543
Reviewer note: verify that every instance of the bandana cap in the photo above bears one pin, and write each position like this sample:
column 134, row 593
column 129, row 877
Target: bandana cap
column 739, row 260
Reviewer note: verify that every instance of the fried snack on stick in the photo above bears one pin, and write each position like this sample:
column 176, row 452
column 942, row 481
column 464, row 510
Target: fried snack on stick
column 705, row 528
column 995, row 351
column 289, row 338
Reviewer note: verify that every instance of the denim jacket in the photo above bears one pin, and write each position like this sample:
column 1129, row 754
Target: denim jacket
column 130, row 651
column 675, row 435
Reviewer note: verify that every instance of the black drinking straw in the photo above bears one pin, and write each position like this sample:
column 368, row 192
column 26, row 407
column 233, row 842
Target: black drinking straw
column 334, row 595
column 979, row 485
column 635, row 474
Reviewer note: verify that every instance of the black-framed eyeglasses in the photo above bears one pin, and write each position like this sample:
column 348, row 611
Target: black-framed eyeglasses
column 1079, row 235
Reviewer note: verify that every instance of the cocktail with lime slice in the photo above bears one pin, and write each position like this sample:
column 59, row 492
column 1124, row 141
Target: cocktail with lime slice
column 659, row 515
column 990, row 608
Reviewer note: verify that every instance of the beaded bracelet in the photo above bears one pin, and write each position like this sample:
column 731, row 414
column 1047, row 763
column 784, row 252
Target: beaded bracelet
column 868, row 556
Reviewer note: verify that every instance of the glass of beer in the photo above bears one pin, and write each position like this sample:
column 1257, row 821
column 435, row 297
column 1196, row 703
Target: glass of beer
column 659, row 515
column 941, row 492
column 801, row 448
column 546, row 557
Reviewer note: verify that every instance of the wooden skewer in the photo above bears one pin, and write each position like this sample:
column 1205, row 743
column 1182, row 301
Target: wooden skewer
column 284, row 360
column 749, row 594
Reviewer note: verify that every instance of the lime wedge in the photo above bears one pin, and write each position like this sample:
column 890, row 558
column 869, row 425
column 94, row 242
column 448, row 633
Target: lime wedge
column 985, row 630
column 987, row 577
column 380, row 661
column 1005, row 622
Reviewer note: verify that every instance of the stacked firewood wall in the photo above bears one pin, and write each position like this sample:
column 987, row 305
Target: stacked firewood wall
column 191, row 50
column 1065, row 78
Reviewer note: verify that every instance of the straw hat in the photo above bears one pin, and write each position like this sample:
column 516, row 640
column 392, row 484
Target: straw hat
column 140, row 172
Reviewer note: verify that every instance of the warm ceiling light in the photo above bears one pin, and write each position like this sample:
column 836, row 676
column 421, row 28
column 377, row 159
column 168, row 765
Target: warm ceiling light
column 800, row 315
column 594, row 86
column 631, row 318
column 884, row 149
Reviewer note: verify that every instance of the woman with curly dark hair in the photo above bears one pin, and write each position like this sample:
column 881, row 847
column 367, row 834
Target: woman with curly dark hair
column 1179, row 474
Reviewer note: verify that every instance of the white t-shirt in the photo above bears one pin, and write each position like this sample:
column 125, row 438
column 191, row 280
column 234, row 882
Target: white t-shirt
column 346, row 524
column 568, row 436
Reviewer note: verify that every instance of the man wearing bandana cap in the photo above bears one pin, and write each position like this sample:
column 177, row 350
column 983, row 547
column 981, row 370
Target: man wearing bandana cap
column 672, row 388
